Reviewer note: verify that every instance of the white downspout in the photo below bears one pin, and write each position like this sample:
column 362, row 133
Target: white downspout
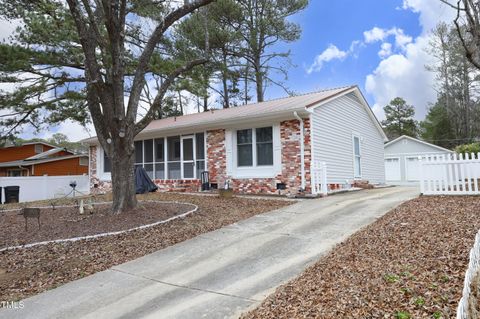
column 302, row 148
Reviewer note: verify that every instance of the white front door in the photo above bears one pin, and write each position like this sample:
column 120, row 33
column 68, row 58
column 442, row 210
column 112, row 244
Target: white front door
column 412, row 168
column 392, row 169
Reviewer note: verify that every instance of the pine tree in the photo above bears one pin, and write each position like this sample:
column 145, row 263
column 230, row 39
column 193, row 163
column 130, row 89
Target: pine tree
column 399, row 119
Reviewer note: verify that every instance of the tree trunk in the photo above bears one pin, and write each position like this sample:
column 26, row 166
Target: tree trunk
column 246, row 85
column 226, row 98
column 259, row 83
column 205, row 103
column 123, row 179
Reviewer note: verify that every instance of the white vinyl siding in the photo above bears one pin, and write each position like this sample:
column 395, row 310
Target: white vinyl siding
column 333, row 124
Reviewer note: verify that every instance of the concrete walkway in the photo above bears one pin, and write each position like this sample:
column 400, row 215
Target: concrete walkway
column 222, row 273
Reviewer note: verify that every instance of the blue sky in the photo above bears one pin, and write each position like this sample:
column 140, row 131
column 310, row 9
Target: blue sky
column 340, row 23
column 356, row 32
column 379, row 45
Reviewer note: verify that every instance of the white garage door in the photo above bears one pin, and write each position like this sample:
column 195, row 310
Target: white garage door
column 412, row 168
column 392, row 169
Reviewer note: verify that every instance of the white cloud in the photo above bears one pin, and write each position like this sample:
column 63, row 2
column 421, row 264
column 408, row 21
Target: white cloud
column 402, row 73
column 377, row 34
column 385, row 50
column 7, row 28
column 431, row 12
column 329, row 54
column 374, row 35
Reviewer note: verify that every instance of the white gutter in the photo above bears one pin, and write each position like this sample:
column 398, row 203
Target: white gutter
column 302, row 148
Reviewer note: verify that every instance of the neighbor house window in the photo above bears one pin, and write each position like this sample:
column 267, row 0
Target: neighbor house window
column 357, row 157
column 38, row 148
column 83, row 161
column 255, row 147
column 14, row 173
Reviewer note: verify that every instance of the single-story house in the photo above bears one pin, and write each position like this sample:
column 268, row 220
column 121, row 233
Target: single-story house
column 403, row 156
column 38, row 159
column 260, row 148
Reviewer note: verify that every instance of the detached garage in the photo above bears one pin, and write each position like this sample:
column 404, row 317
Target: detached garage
column 403, row 156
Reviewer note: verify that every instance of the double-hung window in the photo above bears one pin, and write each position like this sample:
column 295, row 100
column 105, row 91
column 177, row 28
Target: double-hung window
column 357, row 158
column 255, row 147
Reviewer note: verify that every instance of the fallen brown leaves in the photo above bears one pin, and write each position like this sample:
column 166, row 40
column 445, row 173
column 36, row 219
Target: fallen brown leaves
column 66, row 222
column 25, row 272
column 409, row 264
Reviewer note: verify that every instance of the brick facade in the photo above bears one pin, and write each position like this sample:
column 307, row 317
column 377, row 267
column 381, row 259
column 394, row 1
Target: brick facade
column 291, row 162
column 217, row 166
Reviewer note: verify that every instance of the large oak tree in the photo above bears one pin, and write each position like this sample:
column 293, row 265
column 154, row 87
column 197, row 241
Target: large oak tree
column 92, row 60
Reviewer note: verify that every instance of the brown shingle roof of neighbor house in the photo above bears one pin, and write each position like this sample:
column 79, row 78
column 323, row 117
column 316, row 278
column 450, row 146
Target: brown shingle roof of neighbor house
column 224, row 117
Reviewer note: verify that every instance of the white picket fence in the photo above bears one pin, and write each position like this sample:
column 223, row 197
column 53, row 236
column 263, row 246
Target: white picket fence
column 45, row 187
column 451, row 174
column 319, row 178
column 472, row 270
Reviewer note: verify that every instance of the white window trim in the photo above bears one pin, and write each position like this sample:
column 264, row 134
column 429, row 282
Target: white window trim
column 254, row 149
column 355, row 176
column 255, row 171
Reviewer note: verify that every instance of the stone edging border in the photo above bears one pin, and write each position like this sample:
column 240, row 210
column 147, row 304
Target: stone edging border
column 41, row 243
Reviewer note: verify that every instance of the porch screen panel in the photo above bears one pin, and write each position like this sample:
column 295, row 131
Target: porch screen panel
column 159, row 158
column 173, row 156
column 148, row 157
column 200, row 153
column 138, row 153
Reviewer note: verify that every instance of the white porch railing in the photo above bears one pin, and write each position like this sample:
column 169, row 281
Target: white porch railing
column 450, row 174
column 319, row 178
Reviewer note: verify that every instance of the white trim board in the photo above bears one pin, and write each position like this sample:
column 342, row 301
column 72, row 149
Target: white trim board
column 416, row 140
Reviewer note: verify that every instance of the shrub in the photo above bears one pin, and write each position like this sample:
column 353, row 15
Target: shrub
column 468, row 148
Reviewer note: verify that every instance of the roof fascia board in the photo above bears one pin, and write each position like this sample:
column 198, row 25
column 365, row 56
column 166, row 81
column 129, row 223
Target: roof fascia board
column 419, row 141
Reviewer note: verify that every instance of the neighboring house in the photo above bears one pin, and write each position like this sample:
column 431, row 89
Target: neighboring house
column 403, row 156
column 38, row 159
column 257, row 147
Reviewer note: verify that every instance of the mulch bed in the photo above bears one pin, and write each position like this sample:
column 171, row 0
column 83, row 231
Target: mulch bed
column 66, row 222
column 26, row 272
column 410, row 263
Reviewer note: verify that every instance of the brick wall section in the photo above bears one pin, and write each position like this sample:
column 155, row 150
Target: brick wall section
column 92, row 165
column 216, row 156
column 291, row 158
column 291, row 162
column 216, row 161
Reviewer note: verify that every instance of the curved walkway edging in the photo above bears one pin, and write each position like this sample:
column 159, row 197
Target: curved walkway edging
column 41, row 243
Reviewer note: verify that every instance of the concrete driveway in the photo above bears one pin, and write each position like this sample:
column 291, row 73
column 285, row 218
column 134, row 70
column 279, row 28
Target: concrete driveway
column 222, row 273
